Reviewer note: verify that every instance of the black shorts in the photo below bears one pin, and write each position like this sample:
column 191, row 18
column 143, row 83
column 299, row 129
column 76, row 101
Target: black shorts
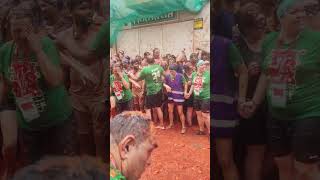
column 124, row 106
column 154, row 100
column 201, row 105
column 175, row 103
column 189, row 102
column 299, row 137
column 253, row 131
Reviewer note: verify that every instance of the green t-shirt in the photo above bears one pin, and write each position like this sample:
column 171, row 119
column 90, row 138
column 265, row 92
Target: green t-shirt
column 234, row 56
column 119, row 91
column 38, row 106
column 201, row 85
column 116, row 174
column 293, row 71
column 152, row 75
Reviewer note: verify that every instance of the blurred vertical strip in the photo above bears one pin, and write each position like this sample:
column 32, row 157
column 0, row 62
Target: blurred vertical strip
column 101, row 7
column 104, row 8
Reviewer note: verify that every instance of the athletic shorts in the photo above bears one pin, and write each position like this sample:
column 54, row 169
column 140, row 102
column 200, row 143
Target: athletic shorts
column 253, row 131
column 189, row 102
column 224, row 119
column 175, row 103
column 299, row 137
column 201, row 105
column 124, row 106
column 154, row 100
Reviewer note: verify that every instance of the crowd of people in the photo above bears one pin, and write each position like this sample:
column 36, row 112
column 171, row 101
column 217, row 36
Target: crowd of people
column 163, row 90
column 53, row 60
column 257, row 94
column 265, row 89
column 168, row 87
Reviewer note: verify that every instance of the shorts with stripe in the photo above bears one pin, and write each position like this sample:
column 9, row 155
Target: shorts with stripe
column 224, row 116
column 176, row 97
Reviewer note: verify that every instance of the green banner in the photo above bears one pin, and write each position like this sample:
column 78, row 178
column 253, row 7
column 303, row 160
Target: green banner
column 137, row 12
column 155, row 19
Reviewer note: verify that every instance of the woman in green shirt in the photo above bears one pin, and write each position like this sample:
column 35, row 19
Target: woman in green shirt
column 120, row 89
column 290, row 78
column 201, row 92
column 33, row 79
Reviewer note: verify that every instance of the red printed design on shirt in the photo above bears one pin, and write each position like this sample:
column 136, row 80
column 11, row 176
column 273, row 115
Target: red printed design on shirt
column 117, row 86
column 282, row 70
column 283, row 66
column 24, row 76
column 198, row 84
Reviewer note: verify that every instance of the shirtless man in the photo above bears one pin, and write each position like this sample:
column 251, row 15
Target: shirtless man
column 87, row 97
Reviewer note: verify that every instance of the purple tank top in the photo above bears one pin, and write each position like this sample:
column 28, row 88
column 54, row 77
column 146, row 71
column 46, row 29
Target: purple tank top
column 176, row 87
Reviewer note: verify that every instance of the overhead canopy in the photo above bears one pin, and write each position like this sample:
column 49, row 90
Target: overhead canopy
column 125, row 11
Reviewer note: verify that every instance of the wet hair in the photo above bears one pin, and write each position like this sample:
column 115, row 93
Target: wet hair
column 64, row 168
column 187, row 67
column 150, row 59
column 138, row 58
column 194, row 56
column 146, row 54
column 26, row 9
column 205, row 55
column 130, row 123
column 117, row 64
column 246, row 20
column 155, row 49
column 135, row 61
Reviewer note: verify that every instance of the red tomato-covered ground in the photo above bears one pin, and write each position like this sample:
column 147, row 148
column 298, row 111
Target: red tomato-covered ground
column 179, row 157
